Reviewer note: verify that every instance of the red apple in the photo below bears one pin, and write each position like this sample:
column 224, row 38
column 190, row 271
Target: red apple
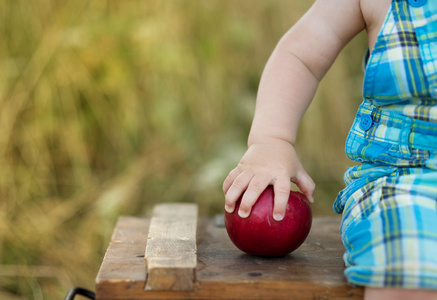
column 260, row 234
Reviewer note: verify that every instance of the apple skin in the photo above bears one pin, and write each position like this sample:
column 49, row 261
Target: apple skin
column 259, row 234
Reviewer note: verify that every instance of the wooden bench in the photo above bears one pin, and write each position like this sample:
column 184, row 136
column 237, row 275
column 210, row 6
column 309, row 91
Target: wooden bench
column 221, row 271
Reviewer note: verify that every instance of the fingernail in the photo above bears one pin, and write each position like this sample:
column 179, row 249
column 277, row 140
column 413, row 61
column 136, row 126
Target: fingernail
column 243, row 214
column 278, row 217
column 229, row 209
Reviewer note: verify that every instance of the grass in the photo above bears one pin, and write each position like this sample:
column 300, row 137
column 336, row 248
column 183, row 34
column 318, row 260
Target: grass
column 108, row 107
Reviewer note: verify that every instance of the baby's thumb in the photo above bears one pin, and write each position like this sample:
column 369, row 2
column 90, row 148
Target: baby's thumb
column 306, row 185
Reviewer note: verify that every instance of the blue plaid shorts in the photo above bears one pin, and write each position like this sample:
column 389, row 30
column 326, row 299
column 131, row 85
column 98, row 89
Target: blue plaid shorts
column 389, row 206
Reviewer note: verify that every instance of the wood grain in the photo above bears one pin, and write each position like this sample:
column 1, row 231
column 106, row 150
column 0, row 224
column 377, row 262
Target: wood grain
column 171, row 255
column 314, row 271
column 123, row 268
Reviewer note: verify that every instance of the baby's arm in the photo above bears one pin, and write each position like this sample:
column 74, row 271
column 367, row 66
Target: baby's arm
column 287, row 86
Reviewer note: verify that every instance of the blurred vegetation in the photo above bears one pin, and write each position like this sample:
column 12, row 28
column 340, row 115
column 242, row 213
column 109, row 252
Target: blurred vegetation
column 108, row 107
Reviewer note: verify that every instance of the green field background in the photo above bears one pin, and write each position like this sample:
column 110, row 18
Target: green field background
column 109, row 107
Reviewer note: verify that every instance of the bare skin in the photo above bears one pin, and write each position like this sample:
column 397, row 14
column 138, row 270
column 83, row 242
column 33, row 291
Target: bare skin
column 289, row 81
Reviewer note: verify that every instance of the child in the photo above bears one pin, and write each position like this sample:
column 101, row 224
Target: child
column 389, row 211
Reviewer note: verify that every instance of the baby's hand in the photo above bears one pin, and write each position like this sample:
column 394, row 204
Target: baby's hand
column 272, row 163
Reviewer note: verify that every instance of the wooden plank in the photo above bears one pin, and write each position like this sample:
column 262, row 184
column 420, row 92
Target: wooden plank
column 314, row 271
column 171, row 253
column 123, row 267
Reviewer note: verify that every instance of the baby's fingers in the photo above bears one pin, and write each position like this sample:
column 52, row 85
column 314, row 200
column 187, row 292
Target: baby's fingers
column 282, row 193
column 256, row 186
column 306, row 185
column 236, row 189
column 230, row 179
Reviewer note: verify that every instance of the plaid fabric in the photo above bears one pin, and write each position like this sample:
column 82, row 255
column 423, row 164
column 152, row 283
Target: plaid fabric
column 403, row 64
column 390, row 231
column 389, row 205
column 392, row 139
